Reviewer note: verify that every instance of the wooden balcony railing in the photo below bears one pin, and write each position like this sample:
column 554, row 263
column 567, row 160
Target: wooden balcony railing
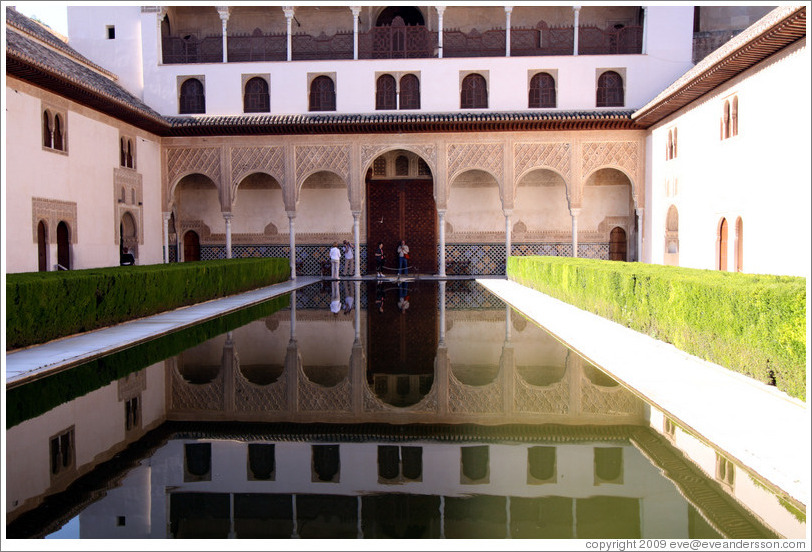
column 595, row 41
column 257, row 46
column 191, row 49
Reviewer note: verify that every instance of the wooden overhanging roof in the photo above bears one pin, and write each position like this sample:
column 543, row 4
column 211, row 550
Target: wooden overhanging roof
column 775, row 31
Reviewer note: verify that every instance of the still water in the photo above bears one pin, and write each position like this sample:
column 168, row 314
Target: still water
column 352, row 410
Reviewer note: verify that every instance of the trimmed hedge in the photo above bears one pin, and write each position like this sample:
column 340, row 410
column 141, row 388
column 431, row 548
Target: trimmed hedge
column 753, row 324
column 41, row 306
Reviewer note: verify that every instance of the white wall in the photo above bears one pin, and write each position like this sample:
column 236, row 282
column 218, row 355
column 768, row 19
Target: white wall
column 762, row 175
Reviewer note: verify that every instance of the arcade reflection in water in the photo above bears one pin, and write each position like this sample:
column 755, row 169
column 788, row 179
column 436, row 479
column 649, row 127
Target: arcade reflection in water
column 373, row 410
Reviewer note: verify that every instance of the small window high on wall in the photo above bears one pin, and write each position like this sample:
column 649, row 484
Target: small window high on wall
column 53, row 129
column 257, row 98
column 322, row 94
column 610, row 90
column 474, row 92
column 192, row 96
column 730, row 118
column 542, row 91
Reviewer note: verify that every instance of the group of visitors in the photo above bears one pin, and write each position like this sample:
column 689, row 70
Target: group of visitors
column 346, row 252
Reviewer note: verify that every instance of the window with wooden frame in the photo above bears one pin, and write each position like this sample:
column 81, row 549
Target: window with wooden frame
column 542, row 91
column 53, row 129
column 256, row 96
column 385, row 93
column 671, row 144
column 409, row 92
column 610, row 90
column 474, row 92
column 62, row 451
column 322, row 94
column 126, row 152
column 192, row 96
column 730, row 118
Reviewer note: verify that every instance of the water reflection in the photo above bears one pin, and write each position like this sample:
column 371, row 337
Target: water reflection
column 369, row 410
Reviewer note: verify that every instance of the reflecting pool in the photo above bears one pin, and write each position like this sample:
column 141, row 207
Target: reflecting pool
column 411, row 409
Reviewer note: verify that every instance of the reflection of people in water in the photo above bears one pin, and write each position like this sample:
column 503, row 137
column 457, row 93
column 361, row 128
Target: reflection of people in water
column 379, row 297
column 335, row 302
column 403, row 297
column 349, row 300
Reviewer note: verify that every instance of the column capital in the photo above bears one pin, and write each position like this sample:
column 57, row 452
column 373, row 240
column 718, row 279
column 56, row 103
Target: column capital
column 440, row 10
column 166, row 215
column 288, row 11
column 507, row 212
column 291, row 214
column 576, row 8
column 575, row 211
column 228, row 215
column 639, row 211
column 224, row 12
column 356, row 214
column 441, row 212
column 508, row 9
column 356, row 10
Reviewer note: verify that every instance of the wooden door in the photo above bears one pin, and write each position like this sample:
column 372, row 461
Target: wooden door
column 617, row 244
column 63, row 246
column 191, row 246
column 402, row 209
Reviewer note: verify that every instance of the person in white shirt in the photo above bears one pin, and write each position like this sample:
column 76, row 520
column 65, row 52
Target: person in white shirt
column 403, row 258
column 348, row 258
column 335, row 261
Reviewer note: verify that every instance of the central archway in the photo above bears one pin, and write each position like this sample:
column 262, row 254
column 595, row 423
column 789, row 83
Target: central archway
column 401, row 206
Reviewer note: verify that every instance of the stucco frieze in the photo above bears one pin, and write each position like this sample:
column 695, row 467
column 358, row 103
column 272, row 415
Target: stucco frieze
column 485, row 399
column 248, row 160
column 333, row 158
column 528, row 156
column 486, row 157
column 183, row 161
column 623, row 156
column 313, row 397
column 551, row 399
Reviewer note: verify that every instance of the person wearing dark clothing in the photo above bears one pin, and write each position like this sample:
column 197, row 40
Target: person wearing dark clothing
column 379, row 258
column 127, row 258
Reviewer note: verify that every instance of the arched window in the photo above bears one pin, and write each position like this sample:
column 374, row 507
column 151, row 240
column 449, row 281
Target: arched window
column 402, row 166
column 122, row 153
column 739, row 249
column 721, row 246
column 47, row 135
column 257, row 98
column 322, row 94
column 669, row 147
column 59, row 143
column 130, row 154
column 42, row 246
column 192, row 97
column 542, row 91
column 474, row 92
column 385, row 94
column 610, row 90
column 734, row 117
column 63, row 245
column 674, row 150
column 409, row 92
column 672, row 236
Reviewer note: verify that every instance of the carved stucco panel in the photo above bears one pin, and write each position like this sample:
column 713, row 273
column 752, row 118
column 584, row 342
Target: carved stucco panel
column 334, row 158
column 182, row 161
column 553, row 399
column 52, row 211
column 619, row 155
column 487, row 157
column 487, row 399
column 316, row 398
column 270, row 160
column 527, row 156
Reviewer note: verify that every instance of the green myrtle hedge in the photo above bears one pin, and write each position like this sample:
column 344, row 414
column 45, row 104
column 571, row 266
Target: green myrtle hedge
column 41, row 306
column 753, row 324
column 39, row 396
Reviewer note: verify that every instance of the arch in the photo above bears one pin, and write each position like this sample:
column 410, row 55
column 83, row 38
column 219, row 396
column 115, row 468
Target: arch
column 542, row 91
column 410, row 16
column 739, row 245
column 59, row 138
column 598, row 377
column 256, row 98
column 191, row 246
column 541, row 201
column 192, row 97
column 475, row 375
column 474, row 203
column 672, row 236
column 258, row 201
column 594, row 173
column 130, row 163
column 409, row 92
column 122, row 153
column 198, row 374
column 610, row 90
column 721, row 245
column 262, row 374
column 47, row 133
column 326, row 376
column 617, row 244
column 726, row 120
column 322, row 94
column 474, row 92
column 385, row 93
column 63, row 256
column 42, row 246
column 128, row 234
column 542, row 375
column 734, row 117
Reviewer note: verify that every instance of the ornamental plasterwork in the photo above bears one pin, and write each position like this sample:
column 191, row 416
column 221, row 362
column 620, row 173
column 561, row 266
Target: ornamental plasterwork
column 270, row 160
column 428, row 404
column 552, row 399
column 555, row 156
column 52, row 211
column 183, row 161
column 316, row 398
column 250, row 397
column 607, row 400
column 487, row 157
column 619, row 155
column 186, row 396
column 310, row 159
column 131, row 181
column 485, row 399
column 428, row 152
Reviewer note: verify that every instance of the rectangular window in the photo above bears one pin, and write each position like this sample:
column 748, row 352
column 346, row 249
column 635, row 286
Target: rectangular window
column 111, row 32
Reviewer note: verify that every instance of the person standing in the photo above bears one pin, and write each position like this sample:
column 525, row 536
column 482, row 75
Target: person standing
column 403, row 258
column 348, row 258
column 379, row 258
column 335, row 261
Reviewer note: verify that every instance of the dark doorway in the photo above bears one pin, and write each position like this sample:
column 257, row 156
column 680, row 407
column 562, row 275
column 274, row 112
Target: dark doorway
column 42, row 247
column 191, row 246
column 617, row 244
column 63, row 245
column 402, row 209
column 410, row 16
column 721, row 262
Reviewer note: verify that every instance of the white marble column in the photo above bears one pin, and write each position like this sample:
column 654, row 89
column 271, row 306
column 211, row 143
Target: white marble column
column 645, row 30
column 508, row 212
column 356, row 243
column 639, row 234
column 508, row 11
column 576, row 10
column 441, row 225
column 292, row 230
column 289, row 20
column 223, row 12
column 166, row 236
column 159, row 19
column 356, row 10
column 574, row 212
column 442, row 313
column 440, row 10
column 228, row 217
